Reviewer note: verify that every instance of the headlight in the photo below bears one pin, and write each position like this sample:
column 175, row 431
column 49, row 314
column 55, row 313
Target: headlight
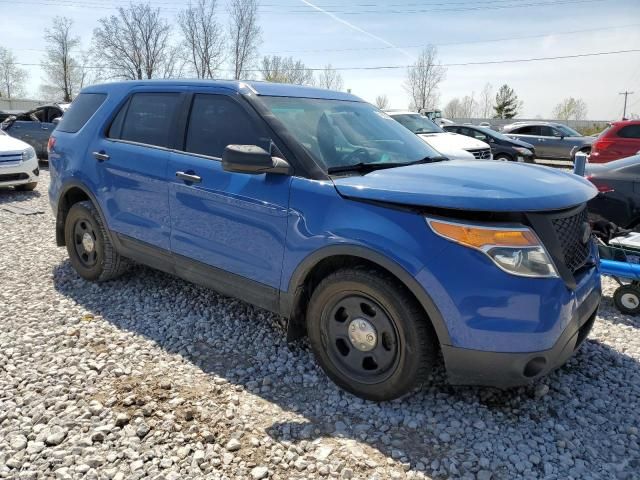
column 28, row 154
column 516, row 250
column 523, row 151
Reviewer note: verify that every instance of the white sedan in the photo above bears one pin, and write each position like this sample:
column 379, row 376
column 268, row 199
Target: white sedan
column 18, row 164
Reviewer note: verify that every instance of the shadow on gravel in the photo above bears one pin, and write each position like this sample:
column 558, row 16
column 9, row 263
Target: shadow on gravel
column 578, row 425
column 10, row 195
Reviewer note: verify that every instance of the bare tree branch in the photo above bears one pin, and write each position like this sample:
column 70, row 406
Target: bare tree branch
column 423, row 78
column 570, row 109
column 203, row 37
column 12, row 77
column 244, row 36
column 285, row 70
column 382, row 102
column 330, row 79
column 135, row 43
column 60, row 66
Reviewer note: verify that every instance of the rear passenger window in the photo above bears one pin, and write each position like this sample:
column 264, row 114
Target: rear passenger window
column 530, row 130
column 147, row 118
column 630, row 131
column 80, row 111
column 217, row 121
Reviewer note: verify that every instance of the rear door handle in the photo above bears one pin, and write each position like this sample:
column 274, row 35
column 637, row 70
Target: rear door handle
column 101, row 156
column 188, row 177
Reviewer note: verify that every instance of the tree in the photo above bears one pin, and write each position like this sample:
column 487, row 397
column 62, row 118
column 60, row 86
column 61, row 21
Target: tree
column 285, row 70
column 244, row 35
column 60, row 65
column 134, row 44
column 203, row 37
column 487, row 101
column 452, row 109
column 382, row 102
column 329, row 78
column 570, row 109
column 12, row 77
column 468, row 106
column 507, row 103
column 423, row 78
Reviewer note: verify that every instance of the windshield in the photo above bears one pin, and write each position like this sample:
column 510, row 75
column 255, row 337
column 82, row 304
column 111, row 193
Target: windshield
column 338, row 133
column 567, row 132
column 417, row 123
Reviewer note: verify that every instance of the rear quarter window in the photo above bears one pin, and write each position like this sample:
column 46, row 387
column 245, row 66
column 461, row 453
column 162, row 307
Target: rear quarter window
column 630, row 131
column 80, row 111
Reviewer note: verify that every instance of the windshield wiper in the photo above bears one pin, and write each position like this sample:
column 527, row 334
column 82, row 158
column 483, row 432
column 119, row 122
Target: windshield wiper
column 370, row 167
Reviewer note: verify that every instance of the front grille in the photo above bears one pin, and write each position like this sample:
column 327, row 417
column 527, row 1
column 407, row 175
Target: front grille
column 480, row 153
column 569, row 231
column 11, row 177
column 10, row 157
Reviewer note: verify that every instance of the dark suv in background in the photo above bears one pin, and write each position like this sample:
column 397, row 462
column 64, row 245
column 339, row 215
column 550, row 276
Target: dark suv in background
column 502, row 147
column 551, row 140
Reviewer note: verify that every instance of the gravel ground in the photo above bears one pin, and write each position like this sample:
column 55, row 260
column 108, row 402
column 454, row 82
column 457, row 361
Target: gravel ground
column 150, row 376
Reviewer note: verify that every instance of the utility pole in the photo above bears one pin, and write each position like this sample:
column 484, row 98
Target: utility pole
column 626, row 94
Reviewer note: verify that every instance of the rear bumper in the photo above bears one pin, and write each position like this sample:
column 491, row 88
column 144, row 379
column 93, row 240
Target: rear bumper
column 503, row 370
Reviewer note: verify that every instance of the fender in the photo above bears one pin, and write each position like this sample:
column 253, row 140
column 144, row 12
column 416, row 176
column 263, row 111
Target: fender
column 289, row 299
column 68, row 185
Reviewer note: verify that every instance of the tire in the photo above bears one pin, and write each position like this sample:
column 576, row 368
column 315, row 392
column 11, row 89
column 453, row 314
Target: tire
column 503, row 157
column 90, row 251
column 627, row 299
column 26, row 187
column 397, row 344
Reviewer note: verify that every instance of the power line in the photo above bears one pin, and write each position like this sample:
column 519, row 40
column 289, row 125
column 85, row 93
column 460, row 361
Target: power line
column 447, row 44
column 395, row 67
column 340, row 9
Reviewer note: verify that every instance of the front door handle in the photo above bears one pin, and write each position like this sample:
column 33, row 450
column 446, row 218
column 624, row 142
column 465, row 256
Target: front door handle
column 188, row 177
column 101, row 156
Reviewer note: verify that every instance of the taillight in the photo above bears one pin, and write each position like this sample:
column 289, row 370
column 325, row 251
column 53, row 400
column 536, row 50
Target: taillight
column 602, row 187
column 51, row 144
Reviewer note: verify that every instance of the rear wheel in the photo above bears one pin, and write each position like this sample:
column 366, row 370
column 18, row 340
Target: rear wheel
column 90, row 250
column 627, row 299
column 26, row 187
column 369, row 335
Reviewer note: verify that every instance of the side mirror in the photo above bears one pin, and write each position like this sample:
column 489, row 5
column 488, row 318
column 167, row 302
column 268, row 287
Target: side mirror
column 253, row 160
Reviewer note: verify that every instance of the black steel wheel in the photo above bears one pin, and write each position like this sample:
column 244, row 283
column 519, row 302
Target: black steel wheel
column 88, row 245
column 627, row 299
column 84, row 242
column 369, row 334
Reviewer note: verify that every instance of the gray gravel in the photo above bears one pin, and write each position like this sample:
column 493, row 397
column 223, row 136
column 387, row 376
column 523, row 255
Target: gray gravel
column 150, row 376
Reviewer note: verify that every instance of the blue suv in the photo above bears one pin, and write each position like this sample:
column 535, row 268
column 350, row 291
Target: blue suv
column 318, row 206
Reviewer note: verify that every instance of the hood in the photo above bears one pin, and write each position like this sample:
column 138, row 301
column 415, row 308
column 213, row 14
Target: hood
column 479, row 186
column 10, row 145
column 443, row 142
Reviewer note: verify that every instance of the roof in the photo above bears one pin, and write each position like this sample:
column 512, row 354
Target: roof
column 401, row 112
column 240, row 86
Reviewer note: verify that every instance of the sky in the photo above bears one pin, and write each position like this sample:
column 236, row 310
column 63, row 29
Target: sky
column 373, row 33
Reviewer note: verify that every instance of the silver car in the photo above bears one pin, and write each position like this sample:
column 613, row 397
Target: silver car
column 550, row 140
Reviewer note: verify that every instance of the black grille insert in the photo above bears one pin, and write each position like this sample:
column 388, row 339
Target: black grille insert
column 570, row 232
column 10, row 177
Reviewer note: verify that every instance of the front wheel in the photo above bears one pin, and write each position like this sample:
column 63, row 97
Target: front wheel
column 369, row 334
column 627, row 299
column 503, row 158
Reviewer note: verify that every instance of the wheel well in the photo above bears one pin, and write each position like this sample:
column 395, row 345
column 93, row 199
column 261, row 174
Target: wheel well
column 321, row 270
column 70, row 197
